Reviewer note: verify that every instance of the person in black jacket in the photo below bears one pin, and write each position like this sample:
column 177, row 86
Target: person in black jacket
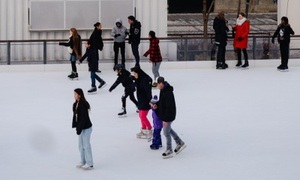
column 166, row 111
column 83, row 125
column 125, row 78
column 143, row 84
column 91, row 54
column 135, row 38
column 221, row 30
column 74, row 48
column 96, row 42
column 283, row 34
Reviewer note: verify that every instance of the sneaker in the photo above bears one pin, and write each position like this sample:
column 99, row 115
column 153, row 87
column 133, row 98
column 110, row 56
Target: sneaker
column 179, row 148
column 87, row 167
column 93, row 89
column 167, row 154
column 102, row 84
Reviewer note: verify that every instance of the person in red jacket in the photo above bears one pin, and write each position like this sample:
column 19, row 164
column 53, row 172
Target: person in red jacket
column 155, row 55
column 241, row 28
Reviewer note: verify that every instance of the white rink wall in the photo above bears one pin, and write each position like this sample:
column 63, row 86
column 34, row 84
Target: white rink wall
column 145, row 65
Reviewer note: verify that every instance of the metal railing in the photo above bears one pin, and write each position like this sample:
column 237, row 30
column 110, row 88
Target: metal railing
column 194, row 48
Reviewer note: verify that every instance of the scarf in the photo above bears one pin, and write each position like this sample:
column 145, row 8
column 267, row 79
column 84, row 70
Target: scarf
column 239, row 22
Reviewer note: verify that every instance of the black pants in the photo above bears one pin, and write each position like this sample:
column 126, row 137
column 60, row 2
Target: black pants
column 131, row 96
column 221, row 53
column 117, row 46
column 73, row 64
column 239, row 54
column 135, row 52
column 284, row 51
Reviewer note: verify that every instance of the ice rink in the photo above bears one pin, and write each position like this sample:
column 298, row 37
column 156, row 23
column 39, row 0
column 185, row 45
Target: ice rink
column 237, row 124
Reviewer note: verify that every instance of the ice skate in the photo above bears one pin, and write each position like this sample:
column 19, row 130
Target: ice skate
column 123, row 113
column 102, row 84
column 79, row 165
column 92, row 90
column 73, row 76
column 145, row 134
column 87, row 167
column 167, row 154
column 245, row 66
column 180, row 147
column 238, row 65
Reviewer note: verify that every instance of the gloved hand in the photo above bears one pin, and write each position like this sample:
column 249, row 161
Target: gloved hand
column 60, row 43
column 116, row 35
column 239, row 39
column 272, row 41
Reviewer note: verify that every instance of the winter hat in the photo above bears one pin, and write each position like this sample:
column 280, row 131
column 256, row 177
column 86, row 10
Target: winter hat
column 154, row 100
column 160, row 79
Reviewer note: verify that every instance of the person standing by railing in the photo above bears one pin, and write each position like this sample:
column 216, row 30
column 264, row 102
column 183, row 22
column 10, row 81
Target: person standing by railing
column 135, row 38
column 221, row 37
column 283, row 34
column 119, row 33
column 241, row 28
column 74, row 48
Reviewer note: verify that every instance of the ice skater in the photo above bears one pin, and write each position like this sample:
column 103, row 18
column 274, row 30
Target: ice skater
column 83, row 125
column 155, row 55
column 92, row 57
column 166, row 110
column 125, row 78
column 74, row 48
column 143, row 84
column 157, row 126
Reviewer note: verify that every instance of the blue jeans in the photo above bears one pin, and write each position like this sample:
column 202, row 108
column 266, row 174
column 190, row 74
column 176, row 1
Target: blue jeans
column 94, row 76
column 135, row 52
column 85, row 148
column 168, row 132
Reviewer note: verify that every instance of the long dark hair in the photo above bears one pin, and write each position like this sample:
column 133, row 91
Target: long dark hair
column 82, row 100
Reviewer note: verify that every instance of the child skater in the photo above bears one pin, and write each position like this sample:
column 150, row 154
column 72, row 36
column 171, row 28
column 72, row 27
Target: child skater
column 125, row 78
column 155, row 55
column 92, row 57
column 83, row 125
column 157, row 125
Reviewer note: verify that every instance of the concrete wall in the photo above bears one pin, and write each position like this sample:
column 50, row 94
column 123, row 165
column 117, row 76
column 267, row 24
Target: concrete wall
column 14, row 26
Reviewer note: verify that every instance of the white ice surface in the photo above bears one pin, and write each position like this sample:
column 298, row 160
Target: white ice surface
column 237, row 124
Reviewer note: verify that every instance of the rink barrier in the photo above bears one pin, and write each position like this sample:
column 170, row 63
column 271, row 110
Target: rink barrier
column 144, row 65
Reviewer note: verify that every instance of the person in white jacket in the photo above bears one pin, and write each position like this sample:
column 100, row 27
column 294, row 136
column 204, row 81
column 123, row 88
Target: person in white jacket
column 119, row 33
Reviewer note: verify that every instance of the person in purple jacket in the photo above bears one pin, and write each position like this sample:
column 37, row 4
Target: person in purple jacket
column 157, row 125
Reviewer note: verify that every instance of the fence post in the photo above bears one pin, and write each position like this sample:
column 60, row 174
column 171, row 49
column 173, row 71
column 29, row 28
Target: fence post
column 254, row 47
column 8, row 53
column 45, row 51
column 185, row 49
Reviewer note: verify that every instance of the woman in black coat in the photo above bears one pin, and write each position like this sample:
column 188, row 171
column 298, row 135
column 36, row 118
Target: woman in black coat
column 96, row 42
column 221, row 30
column 143, row 84
column 83, row 125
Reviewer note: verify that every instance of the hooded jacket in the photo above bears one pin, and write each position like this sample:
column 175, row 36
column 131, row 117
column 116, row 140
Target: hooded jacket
column 283, row 33
column 143, row 90
column 121, row 32
column 166, row 106
column 126, row 79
